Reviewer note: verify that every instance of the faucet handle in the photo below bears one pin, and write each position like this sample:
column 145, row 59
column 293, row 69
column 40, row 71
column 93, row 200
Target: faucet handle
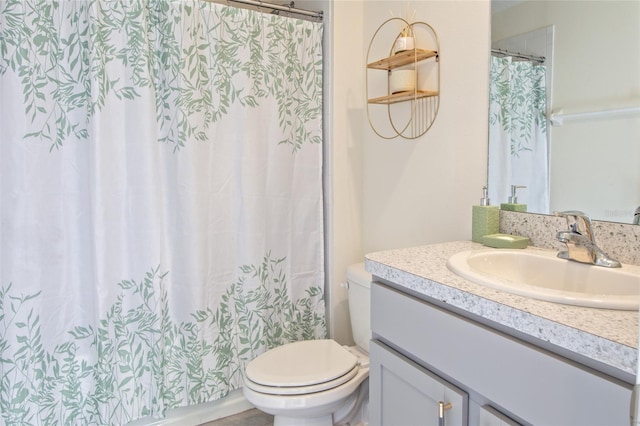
column 577, row 222
column 573, row 214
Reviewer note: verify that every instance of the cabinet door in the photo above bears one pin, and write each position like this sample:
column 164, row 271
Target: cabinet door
column 405, row 394
column 492, row 417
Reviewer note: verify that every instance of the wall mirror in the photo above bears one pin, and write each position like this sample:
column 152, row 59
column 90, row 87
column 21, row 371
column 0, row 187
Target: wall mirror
column 592, row 79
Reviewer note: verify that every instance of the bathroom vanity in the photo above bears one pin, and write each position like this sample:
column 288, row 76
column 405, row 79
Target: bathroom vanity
column 447, row 347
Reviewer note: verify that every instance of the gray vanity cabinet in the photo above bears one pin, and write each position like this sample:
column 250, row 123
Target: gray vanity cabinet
column 404, row 393
column 418, row 346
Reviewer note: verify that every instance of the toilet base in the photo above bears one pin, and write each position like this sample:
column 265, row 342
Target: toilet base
column 318, row 416
column 324, row 421
column 297, row 421
column 353, row 412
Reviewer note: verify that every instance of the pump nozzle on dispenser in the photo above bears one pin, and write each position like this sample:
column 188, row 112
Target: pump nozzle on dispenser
column 513, row 205
column 484, row 201
column 513, row 199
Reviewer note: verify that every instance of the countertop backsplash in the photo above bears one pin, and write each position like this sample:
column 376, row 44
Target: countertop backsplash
column 619, row 240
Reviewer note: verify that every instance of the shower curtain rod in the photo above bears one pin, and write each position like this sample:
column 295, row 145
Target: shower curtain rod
column 533, row 58
column 287, row 7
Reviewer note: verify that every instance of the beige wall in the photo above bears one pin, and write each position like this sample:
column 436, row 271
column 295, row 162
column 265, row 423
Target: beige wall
column 343, row 120
column 421, row 191
column 396, row 193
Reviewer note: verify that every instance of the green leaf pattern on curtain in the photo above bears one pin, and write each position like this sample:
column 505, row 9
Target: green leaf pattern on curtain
column 146, row 360
column 187, row 52
column 518, row 99
column 72, row 58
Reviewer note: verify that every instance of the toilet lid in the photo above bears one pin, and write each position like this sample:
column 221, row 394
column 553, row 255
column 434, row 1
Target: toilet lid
column 300, row 364
column 302, row 390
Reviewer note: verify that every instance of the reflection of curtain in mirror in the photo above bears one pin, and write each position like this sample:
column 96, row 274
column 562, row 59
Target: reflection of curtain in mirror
column 518, row 149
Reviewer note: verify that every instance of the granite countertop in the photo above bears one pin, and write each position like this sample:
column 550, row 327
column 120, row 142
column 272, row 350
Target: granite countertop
column 606, row 336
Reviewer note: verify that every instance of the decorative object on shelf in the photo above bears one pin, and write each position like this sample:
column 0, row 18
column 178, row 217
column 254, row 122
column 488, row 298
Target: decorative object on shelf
column 402, row 81
column 405, row 40
column 412, row 95
column 403, row 44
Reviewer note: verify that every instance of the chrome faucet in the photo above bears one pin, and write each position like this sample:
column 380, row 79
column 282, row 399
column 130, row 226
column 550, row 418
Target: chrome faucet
column 581, row 243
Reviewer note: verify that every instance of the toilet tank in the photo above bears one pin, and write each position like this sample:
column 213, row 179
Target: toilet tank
column 359, row 282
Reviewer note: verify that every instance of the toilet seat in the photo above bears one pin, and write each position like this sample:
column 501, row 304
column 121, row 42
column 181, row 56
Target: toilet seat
column 301, row 390
column 301, row 368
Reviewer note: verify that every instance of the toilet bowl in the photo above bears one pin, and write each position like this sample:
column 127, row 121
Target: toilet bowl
column 317, row 382
column 307, row 383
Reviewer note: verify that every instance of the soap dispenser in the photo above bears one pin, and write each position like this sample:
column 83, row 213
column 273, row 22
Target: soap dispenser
column 513, row 204
column 485, row 218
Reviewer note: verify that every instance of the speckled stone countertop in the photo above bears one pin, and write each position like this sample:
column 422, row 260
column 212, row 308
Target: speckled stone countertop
column 606, row 336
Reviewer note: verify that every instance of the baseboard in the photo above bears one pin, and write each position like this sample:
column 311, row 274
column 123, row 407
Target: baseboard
column 194, row 415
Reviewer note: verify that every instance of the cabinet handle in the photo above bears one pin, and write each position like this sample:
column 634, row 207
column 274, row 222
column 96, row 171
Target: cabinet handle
column 442, row 407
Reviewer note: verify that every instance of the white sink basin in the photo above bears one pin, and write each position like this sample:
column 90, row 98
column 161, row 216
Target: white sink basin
column 539, row 274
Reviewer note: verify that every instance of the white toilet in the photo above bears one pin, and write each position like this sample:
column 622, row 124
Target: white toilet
column 318, row 382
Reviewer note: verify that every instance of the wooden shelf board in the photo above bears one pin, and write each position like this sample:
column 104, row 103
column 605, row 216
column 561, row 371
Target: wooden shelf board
column 403, row 58
column 402, row 97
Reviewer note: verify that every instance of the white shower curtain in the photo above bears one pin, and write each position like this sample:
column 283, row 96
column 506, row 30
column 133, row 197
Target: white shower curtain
column 161, row 214
column 518, row 147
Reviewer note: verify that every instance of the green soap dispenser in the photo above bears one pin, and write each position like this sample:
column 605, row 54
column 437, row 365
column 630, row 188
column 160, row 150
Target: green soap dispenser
column 485, row 219
column 513, row 204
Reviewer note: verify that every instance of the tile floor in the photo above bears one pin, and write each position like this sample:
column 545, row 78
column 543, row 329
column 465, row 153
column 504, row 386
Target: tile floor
column 252, row 417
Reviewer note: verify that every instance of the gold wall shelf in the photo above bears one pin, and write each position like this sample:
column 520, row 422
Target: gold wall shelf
column 402, row 97
column 403, row 58
column 415, row 119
